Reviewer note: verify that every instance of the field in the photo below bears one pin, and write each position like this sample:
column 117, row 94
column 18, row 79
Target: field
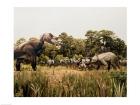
column 66, row 82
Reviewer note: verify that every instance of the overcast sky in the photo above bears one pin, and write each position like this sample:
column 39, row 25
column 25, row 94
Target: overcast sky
column 75, row 21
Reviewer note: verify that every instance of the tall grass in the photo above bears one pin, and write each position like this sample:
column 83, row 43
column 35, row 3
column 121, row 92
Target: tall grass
column 56, row 82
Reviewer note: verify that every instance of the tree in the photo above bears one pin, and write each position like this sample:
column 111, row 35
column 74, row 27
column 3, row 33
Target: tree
column 20, row 41
column 120, row 48
column 71, row 46
column 92, row 44
column 67, row 47
column 42, row 59
column 58, row 58
column 104, row 41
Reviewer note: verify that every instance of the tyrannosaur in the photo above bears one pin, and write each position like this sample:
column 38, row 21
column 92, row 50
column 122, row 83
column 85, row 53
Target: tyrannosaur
column 31, row 49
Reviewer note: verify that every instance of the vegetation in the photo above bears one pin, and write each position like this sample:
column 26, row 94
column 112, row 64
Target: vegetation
column 65, row 82
column 95, row 42
column 71, row 82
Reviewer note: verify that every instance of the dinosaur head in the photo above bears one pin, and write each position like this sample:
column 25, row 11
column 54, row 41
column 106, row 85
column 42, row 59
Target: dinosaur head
column 94, row 59
column 50, row 38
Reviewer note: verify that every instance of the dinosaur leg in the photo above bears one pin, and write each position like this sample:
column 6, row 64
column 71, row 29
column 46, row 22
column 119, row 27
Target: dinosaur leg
column 98, row 66
column 109, row 64
column 33, row 63
column 117, row 64
column 114, row 66
column 105, row 63
column 18, row 61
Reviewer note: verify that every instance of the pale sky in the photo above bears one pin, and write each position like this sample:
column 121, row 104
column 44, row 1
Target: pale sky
column 34, row 21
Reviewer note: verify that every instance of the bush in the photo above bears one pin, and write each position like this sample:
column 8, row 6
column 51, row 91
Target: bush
column 42, row 59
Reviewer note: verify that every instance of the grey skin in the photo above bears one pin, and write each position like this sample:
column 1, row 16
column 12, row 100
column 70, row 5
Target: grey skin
column 65, row 62
column 107, row 59
column 84, row 64
column 50, row 62
column 31, row 49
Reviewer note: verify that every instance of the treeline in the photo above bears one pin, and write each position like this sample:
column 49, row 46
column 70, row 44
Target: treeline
column 96, row 42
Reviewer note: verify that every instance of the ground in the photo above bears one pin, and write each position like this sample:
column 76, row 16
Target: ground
column 67, row 82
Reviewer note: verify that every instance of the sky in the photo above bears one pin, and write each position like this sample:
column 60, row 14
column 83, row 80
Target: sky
column 76, row 21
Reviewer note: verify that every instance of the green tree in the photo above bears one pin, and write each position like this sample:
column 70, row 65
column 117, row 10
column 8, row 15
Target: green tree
column 71, row 46
column 104, row 41
column 67, row 48
column 42, row 59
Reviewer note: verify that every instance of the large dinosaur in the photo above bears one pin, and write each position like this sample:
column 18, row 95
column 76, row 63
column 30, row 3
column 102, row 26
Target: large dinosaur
column 31, row 49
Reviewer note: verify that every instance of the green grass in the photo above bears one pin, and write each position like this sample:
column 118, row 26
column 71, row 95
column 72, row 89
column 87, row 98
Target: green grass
column 66, row 82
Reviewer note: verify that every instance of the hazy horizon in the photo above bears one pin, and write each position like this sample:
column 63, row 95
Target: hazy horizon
column 34, row 21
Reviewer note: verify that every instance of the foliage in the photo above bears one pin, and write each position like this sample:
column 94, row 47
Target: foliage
column 104, row 41
column 59, row 57
column 77, row 57
column 64, row 82
column 42, row 59
column 69, row 83
column 71, row 46
column 95, row 42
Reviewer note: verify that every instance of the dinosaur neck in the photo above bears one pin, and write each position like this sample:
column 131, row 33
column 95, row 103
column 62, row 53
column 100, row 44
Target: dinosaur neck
column 39, row 48
column 40, row 45
column 41, row 42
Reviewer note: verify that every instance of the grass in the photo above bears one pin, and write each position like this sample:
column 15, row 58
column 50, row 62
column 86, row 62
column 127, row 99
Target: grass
column 66, row 82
